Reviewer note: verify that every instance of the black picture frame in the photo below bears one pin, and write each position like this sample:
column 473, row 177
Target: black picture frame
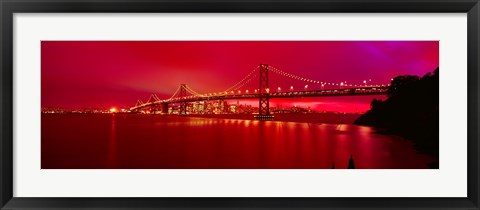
column 9, row 7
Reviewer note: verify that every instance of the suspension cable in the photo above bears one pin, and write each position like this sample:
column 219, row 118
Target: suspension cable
column 174, row 94
column 234, row 87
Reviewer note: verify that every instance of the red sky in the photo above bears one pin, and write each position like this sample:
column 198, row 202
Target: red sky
column 87, row 74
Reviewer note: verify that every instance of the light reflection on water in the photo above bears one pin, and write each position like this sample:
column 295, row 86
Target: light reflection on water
column 112, row 148
column 153, row 141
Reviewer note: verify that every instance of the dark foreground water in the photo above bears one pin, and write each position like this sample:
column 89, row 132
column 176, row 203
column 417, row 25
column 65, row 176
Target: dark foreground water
column 129, row 141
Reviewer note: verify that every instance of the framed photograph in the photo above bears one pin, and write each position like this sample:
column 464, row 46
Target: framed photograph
column 239, row 105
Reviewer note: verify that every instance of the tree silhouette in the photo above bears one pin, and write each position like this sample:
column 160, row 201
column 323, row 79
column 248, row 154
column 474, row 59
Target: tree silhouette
column 400, row 82
column 411, row 110
column 375, row 103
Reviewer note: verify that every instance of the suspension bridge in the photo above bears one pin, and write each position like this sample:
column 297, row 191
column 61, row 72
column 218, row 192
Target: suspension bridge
column 185, row 94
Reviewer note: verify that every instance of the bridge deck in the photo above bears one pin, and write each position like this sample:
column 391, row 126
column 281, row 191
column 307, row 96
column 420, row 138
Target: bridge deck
column 293, row 94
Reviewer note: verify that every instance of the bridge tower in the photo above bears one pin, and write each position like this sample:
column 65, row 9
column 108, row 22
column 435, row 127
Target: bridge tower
column 183, row 100
column 264, row 97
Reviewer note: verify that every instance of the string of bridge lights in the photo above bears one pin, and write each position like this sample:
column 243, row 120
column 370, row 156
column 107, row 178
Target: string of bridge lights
column 234, row 87
column 243, row 84
column 191, row 91
column 247, row 79
column 174, row 94
column 139, row 102
column 286, row 74
column 155, row 97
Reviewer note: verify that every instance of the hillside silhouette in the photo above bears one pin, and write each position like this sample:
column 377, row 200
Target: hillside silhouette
column 411, row 111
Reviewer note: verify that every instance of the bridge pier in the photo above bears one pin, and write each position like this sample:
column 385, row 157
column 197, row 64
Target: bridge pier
column 164, row 108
